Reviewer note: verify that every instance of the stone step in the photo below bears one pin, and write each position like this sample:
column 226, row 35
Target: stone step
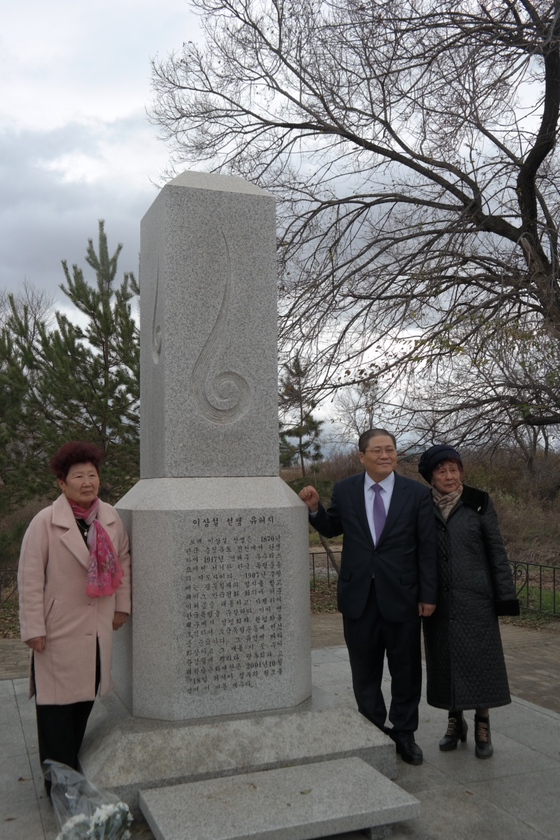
column 291, row 803
column 123, row 754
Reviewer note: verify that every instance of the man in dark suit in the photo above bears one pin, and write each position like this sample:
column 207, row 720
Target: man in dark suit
column 388, row 579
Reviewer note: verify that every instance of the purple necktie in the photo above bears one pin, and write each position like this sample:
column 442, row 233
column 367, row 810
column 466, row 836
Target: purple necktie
column 379, row 515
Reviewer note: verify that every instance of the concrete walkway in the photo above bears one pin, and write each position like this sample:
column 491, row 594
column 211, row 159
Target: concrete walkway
column 512, row 796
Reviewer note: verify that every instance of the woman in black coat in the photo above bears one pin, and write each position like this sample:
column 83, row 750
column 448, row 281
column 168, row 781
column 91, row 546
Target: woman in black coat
column 464, row 657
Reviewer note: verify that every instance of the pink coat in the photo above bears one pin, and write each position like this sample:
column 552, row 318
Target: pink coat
column 52, row 602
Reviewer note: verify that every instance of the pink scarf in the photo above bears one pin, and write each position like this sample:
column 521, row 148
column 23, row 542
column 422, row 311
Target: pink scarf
column 105, row 571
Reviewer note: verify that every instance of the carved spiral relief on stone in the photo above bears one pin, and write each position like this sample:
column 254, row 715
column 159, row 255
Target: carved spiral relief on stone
column 156, row 327
column 225, row 397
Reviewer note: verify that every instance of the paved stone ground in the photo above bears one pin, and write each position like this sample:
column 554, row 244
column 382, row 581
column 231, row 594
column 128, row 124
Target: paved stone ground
column 532, row 657
column 14, row 659
column 533, row 663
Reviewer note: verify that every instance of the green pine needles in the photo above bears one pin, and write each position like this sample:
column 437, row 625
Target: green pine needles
column 61, row 381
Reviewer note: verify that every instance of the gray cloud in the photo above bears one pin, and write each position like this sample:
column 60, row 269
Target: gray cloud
column 45, row 218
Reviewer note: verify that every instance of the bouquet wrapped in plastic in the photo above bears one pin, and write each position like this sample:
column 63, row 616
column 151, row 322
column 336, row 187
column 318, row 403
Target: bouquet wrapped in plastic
column 82, row 811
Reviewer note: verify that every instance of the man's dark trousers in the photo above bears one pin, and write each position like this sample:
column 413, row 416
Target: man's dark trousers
column 367, row 639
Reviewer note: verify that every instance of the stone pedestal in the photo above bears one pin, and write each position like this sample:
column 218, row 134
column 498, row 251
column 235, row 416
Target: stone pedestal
column 126, row 755
column 221, row 598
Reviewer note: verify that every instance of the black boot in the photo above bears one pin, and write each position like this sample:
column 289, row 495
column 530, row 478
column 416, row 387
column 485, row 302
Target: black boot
column 456, row 731
column 482, row 739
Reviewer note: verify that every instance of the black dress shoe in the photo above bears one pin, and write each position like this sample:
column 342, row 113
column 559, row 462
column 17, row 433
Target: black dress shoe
column 410, row 752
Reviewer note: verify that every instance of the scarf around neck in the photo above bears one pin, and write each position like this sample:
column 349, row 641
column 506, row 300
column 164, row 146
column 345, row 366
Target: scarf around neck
column 105, row 572
column 445, row 502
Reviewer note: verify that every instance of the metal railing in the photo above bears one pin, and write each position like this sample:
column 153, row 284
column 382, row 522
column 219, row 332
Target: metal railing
column 320, row 567
column 537, row 586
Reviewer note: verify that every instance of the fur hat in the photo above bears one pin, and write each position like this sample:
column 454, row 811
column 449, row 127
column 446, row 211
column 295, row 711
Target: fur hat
column 434, row 456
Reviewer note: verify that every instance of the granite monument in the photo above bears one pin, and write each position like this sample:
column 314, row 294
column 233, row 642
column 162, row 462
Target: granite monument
column 220, row 621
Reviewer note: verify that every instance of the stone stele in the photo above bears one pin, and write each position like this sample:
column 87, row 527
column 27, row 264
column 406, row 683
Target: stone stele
column 220, row 585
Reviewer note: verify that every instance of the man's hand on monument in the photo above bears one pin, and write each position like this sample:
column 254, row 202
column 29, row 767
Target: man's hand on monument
column 311, row 498
column 426, row 609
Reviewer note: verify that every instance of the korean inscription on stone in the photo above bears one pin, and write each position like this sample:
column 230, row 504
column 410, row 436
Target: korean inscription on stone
column 233, row 603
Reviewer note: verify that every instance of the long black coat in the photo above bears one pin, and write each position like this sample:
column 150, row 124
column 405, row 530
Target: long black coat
column 464, row 656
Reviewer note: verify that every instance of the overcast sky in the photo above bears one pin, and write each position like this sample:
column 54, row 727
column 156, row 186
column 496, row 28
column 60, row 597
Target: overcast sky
column 75, row 143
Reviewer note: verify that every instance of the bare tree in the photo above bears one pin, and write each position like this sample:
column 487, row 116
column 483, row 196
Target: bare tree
column 358, row 409
column 506, row 392
column 38, row 303
column 411, row 145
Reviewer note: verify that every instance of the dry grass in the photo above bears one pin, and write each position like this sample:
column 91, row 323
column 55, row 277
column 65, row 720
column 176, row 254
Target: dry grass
column 323, row 597
column 531, row 619
column 9, row 621
column 531, row 529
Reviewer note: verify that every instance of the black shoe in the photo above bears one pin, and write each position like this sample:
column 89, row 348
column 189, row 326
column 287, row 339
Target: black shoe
column 456, row 731
column 483, row 742
column 409, row 751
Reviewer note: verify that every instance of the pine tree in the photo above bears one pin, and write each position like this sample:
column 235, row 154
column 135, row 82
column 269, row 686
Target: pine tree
column 64, row 382
column 300, row 431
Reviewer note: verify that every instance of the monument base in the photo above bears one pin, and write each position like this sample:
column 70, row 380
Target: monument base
column 220, row 598
column 125, row 754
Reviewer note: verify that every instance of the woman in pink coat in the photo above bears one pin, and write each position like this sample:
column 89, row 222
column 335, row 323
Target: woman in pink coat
column 74, row 590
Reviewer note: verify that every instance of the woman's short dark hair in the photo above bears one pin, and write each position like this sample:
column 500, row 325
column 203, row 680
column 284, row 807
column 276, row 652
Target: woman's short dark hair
column 450, row 461
column 75, row 452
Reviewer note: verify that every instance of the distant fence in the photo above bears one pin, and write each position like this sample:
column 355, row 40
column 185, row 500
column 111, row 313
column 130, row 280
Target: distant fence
column 321, row 568
column 538, row 587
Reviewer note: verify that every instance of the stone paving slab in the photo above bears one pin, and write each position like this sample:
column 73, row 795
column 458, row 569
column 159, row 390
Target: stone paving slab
column 292, row 803
column 457, row 803
column 14, row 659
column 533, row 663
column 532, row 656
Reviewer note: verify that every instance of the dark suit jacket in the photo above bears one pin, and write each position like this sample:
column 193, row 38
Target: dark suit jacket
column 404, row 562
